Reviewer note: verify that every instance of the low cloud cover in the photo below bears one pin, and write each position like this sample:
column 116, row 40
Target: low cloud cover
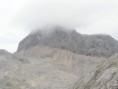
column 18, row 18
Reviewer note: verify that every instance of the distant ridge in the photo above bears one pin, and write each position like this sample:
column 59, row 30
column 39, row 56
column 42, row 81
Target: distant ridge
column 4, row 52
column 60, row 37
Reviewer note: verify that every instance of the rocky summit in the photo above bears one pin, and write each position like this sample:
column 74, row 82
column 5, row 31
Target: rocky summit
column 61, row 59
column 62, row 38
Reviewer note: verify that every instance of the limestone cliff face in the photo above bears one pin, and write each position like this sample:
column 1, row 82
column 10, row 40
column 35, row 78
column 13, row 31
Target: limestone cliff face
column 104, row 76
column 59, row 37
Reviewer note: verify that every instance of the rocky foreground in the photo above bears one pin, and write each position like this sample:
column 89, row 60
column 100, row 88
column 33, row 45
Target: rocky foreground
column 61, row 60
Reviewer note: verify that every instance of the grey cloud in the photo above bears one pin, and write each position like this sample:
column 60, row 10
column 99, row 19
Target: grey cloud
column 72, row 13
column 86, row 16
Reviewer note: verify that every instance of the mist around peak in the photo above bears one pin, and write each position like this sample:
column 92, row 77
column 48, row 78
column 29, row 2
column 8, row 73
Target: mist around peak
column 69, row 39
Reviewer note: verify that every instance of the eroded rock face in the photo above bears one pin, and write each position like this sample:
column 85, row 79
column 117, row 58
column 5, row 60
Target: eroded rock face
column 55, row 80
column 65, row 70
column 53, row 68
column 59, row 37
column 104, row 76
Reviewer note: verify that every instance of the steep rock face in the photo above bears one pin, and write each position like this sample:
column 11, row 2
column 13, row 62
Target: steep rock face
column 104, row 76
column 59, row 37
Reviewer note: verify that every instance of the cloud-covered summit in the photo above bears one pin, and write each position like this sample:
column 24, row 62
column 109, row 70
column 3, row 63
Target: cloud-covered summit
column 18, row 18
column 62, row 38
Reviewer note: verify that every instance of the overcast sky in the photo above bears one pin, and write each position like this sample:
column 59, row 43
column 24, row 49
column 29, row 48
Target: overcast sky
column 19, row 17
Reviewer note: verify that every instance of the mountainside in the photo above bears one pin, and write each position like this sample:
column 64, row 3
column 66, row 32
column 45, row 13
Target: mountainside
column 34, row 71
column 61, row 59
column 104, row 76
column 4, row 52
column 59, row 37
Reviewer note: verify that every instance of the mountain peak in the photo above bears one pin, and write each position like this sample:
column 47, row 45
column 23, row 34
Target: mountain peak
column 69, row 39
